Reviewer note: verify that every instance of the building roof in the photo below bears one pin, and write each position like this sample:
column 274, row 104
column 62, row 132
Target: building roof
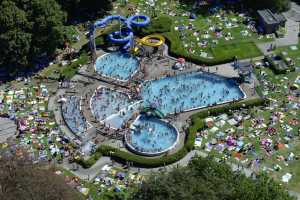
column 280, row 17
column 270, row 18
column 267, row 16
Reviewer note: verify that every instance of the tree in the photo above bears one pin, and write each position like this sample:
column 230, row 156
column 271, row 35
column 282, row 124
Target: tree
column 208, row 180
column 20, row 179
column 29, row 28
column 48, row 28
column 276, row 5
column 85, row 9
column 15, row 36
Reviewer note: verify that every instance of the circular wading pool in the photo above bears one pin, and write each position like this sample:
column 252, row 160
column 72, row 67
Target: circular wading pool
column 151, row 136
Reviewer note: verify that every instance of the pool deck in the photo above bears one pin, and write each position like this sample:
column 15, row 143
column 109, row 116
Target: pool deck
column 87, row 80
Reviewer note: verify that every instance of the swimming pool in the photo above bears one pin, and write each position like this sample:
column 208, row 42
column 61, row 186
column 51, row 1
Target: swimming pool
column 120, row 66
column 151, row 136
column 189, row 91
column 73, row 116
column 112, row 107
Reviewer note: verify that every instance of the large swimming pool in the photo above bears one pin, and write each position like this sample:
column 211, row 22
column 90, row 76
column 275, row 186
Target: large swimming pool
column 118, row 66
column 189, row 91
column 73, row 116
column 112, row 107
column 151, row 136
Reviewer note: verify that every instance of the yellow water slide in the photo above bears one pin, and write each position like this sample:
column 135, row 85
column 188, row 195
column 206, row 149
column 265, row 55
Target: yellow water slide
column 153, row 40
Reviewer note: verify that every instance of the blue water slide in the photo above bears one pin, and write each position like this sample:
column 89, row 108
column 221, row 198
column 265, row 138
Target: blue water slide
column 102, row 23
column 133, row 20
column 125, row 36
column 120, row 37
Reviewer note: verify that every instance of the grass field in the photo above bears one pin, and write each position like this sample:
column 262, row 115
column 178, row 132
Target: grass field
column 290, row 52
column 251, row 135
column 198, row 38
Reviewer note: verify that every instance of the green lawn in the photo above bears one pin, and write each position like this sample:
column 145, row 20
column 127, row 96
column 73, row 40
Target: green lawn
column 279, row 97
column 217, row 48
column 294, row 54
column 55, row 70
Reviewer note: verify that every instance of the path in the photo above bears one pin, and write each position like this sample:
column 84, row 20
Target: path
column 294, row 12
column 8, row 129
column 87, row 174
column 291, row 36
column 292, row 31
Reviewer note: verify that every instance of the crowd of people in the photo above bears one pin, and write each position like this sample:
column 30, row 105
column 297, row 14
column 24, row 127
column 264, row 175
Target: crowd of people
column 150, row 135
column 117, row 66
column 106, row 102
column 73, row 115
column 188, row 91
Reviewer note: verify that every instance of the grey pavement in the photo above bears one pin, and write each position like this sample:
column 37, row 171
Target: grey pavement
column 8, row 128
column 87, row 174
column 294, row 12
column 291, row 36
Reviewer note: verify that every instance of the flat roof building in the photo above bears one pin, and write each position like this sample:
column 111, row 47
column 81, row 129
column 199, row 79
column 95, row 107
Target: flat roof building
column 269, row 21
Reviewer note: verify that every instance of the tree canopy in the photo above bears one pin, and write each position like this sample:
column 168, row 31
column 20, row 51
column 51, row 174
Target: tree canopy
column 276, row 5
column 206, row 179
column 85, row 9
column 28, row 29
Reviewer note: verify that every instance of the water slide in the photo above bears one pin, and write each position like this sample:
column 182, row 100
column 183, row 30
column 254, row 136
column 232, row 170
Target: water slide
column 148, row 40
column 125, row 35
column 154, row 111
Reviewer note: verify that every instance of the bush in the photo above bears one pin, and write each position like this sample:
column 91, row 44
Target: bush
column 90, row 161
column 231, row 106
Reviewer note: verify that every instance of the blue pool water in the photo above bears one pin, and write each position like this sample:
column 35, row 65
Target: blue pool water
column 106, row 102
column 189, row 91
column 73, row 116
column 117, row 66
column 151, row 135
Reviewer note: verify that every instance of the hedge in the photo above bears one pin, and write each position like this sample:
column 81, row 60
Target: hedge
column 197, row 124
column 138, row 160
column 91, row 161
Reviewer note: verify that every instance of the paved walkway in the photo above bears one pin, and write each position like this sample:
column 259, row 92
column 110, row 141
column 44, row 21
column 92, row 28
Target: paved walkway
column 291, row 36
column 294, row 12
column 87, row 174
column 8, row 129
